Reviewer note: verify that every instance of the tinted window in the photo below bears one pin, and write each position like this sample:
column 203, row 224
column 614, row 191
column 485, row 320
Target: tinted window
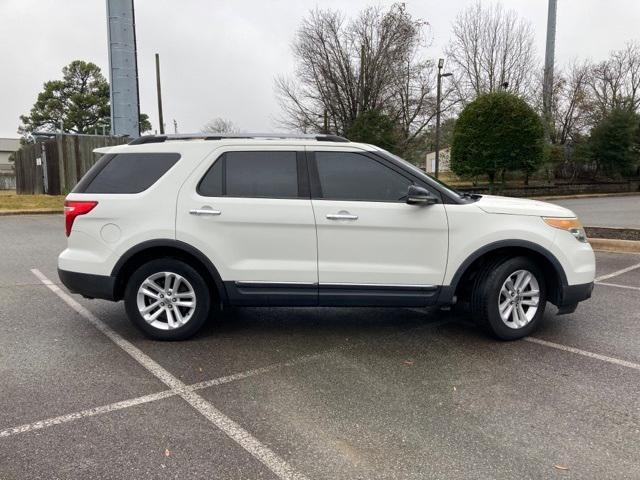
column 126, row 172
column 351, row 176
column 212, row 183
column 252, row 174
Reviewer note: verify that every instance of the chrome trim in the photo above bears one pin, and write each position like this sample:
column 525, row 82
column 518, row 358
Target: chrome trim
column 266, row 282
column 334, row 284
column 399, row 285
column 342, row 215
column 204, row 211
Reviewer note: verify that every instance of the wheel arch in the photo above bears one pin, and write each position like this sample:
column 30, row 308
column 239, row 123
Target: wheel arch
column 554, row 274
column 153, row 249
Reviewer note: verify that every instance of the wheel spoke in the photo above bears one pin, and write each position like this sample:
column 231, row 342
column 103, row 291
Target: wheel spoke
column 183, row 304
column 532, row 303
column 507, row 312
column 530, row 293
column 179, row 317
column 150, row 307
column 522, row 316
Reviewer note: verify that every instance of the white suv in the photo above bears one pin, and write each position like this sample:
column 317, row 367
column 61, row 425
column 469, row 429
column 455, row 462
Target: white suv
column 177, row 225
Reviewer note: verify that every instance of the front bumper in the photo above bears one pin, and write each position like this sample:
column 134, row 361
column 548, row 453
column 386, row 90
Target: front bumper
column 571, row 295
column 87, row 285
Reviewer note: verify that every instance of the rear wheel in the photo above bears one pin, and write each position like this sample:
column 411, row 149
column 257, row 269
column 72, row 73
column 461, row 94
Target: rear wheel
column 167, row 299
column 508, row 297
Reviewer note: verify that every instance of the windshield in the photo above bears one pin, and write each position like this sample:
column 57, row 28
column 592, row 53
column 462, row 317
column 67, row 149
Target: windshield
column 422, row 172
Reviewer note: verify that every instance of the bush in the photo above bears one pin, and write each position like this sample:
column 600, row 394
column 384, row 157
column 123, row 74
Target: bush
column 497, row 133
column 615, row 142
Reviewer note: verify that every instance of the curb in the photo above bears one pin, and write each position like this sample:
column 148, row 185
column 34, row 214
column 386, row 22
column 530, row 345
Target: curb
column 610, row 245
column 585, row 195
column 41, row 211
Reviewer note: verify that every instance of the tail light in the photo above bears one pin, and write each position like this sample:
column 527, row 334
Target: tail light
column 73, row 209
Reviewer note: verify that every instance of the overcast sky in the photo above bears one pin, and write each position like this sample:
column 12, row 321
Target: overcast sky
column 219, row 57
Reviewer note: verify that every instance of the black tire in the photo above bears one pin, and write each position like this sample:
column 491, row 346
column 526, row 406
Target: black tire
column 485, row 296
column 196, row 281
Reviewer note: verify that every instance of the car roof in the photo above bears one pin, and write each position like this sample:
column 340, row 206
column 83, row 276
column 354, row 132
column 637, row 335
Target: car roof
column 208, row 142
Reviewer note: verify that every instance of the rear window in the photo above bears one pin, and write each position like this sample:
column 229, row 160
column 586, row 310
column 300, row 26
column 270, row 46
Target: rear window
column 126, row 172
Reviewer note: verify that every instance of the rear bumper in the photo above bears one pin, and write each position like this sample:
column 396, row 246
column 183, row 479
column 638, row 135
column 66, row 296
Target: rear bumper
column 87, row 285
column 571, row 295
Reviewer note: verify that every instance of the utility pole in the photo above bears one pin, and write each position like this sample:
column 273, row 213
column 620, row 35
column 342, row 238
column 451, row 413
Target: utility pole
column 159, row 90
column 325, row 122
column 438, row 101
column 547, row 90
column 123, row 68
column 175, row 126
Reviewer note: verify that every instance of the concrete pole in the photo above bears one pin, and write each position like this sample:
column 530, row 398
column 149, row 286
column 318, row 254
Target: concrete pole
column 123, row 68
column 547, row 90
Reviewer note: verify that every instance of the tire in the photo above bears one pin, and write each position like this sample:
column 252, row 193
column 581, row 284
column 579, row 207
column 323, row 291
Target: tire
column 487, row 297
column 189, row 306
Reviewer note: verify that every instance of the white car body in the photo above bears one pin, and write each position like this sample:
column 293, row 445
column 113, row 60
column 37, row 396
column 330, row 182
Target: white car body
column 295, row 242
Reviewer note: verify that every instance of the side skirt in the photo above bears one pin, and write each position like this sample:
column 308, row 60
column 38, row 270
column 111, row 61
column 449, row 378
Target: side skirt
column 330, row 295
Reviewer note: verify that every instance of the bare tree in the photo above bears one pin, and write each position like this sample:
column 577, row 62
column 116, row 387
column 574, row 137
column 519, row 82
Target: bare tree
column 615, row 82
column 347, row 67
column 491, row 47
column 220, row 125
column 570, row 103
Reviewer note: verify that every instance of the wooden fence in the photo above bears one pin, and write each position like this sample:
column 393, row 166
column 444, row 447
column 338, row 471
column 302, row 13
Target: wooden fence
column 54, row 166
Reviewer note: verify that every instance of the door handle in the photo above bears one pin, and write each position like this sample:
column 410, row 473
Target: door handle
column 341, row 216
column 204, row 211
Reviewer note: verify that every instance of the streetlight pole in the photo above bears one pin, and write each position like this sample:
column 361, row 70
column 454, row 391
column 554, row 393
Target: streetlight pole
column 438, row 101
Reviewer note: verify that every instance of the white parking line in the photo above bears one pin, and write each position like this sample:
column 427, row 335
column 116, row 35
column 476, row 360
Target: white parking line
column 618, row 285
column 90, row 412
column 617, row 272
column 597, row 356
column 233, row 430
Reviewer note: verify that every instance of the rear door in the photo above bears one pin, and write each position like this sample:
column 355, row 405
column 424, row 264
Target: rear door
column 374, row 248
column 249, row 210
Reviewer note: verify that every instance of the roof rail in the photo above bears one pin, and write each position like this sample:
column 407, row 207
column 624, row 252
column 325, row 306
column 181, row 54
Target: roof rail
column 222, row 136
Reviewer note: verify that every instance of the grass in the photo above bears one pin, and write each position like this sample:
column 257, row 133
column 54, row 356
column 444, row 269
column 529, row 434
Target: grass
column 9, row 201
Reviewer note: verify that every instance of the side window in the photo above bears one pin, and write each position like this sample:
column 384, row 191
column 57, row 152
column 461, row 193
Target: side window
column 252, row 175
column 126, row 172
column 352, row 176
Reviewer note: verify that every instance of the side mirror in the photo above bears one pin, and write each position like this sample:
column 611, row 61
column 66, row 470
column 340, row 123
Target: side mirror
column 420, row 196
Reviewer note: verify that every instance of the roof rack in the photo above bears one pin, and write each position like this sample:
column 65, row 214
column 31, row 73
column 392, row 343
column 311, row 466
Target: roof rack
column 223, row 136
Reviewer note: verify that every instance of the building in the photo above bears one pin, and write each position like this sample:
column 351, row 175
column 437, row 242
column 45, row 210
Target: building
column 7, row 147
column 445, row 155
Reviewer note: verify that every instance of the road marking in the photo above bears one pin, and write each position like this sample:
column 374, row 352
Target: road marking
column 617, row 272
column 232, row 429
column 618, row 285
column 597, row 356
column 90, row 412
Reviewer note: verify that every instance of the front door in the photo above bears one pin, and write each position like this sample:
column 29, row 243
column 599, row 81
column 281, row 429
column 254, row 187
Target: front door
column 374, row 248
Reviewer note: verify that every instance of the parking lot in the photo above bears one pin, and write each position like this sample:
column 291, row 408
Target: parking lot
column 310, row 393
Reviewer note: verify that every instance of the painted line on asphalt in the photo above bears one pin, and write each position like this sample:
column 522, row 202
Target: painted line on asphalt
column 89, row 412
column 232, row 429
column 597, row 356
column 618, row 285
column 112, row 407
column 617, row 272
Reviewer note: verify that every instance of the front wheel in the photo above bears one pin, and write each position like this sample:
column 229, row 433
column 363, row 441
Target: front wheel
column 167, row 299
column 509, row 297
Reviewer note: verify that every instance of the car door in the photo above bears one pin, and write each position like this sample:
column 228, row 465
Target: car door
column 248, row 210
column 373, row 247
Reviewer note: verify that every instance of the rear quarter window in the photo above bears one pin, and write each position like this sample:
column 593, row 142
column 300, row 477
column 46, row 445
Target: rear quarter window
column 126, row 172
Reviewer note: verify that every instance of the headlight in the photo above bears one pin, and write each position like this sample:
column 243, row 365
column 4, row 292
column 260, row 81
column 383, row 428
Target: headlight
column 571, row 225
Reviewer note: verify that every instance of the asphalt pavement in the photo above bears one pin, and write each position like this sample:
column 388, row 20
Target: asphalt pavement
column 620, row 211
column 330, row 393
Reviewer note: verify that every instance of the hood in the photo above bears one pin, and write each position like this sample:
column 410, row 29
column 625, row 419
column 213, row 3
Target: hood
column 522, row 206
